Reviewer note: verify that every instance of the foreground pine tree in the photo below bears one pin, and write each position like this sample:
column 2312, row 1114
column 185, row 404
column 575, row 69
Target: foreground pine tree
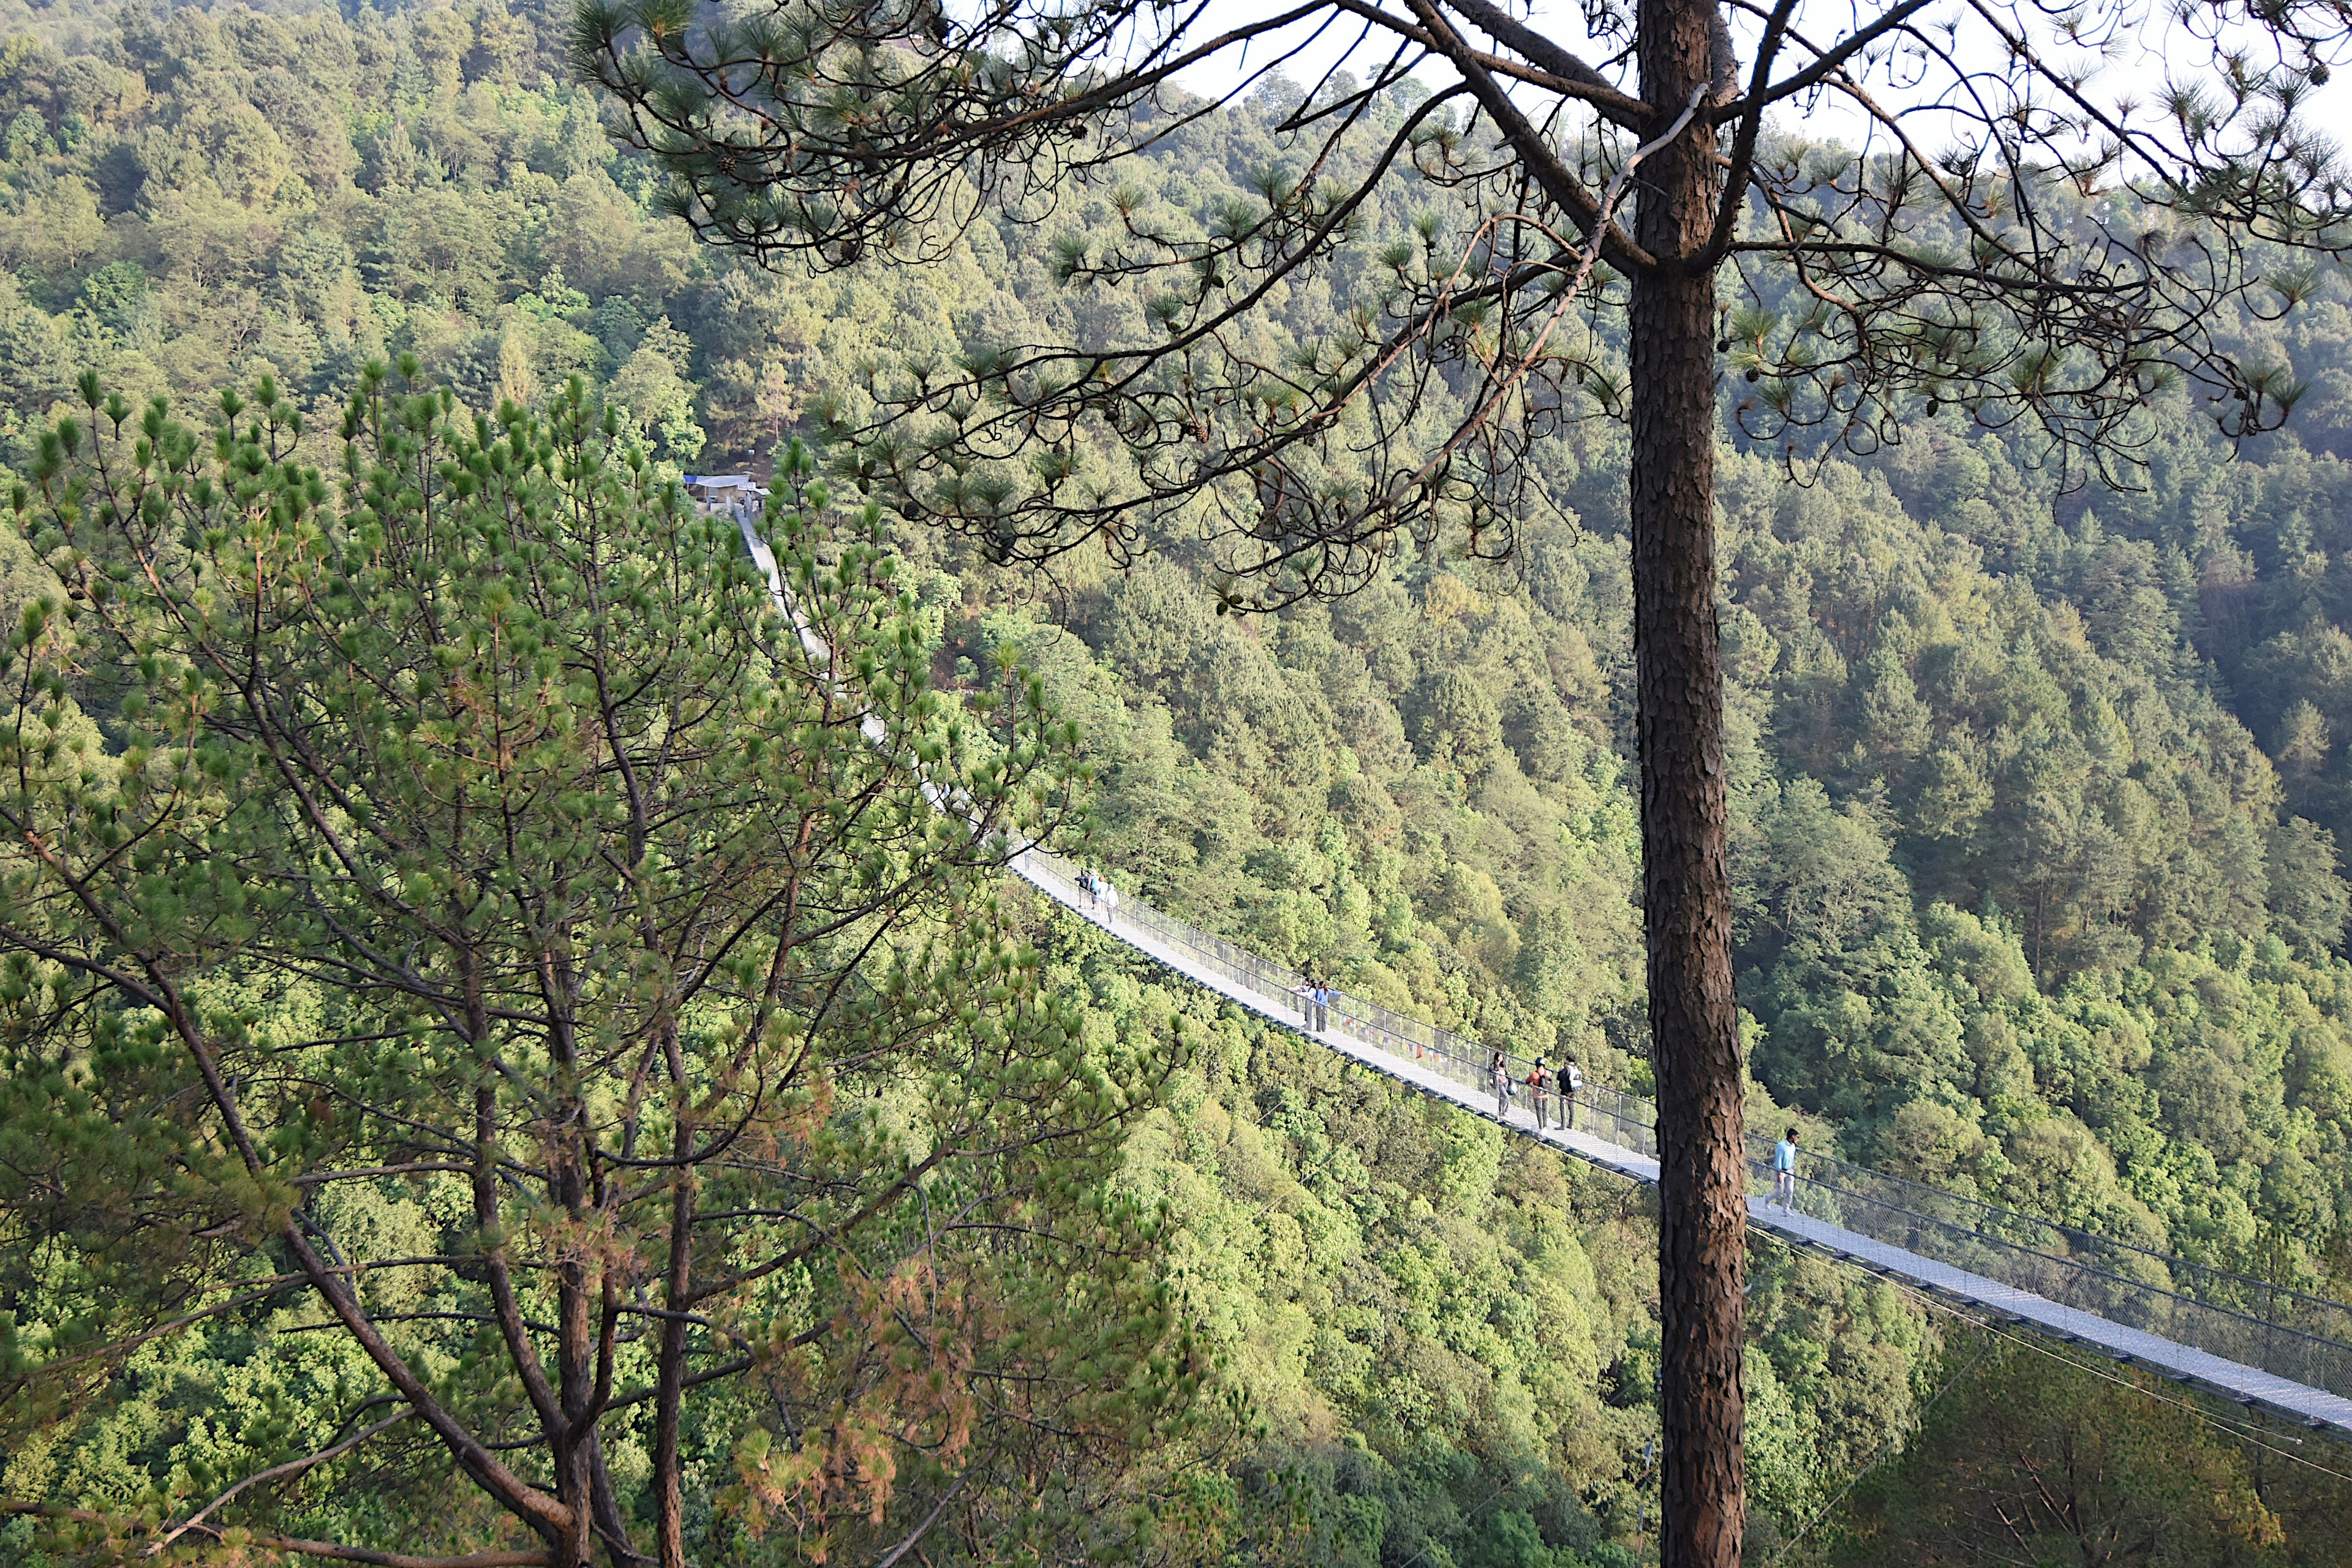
column 1994, row 220
column 466, row 840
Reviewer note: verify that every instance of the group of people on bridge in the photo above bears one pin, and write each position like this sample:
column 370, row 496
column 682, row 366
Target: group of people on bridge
column 1315, row 999
column 1100, row 894
column 1545, row 1086
column 1551, row 1091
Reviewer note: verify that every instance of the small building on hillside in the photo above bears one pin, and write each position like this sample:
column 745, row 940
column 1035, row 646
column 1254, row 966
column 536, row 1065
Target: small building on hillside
column 731, row 493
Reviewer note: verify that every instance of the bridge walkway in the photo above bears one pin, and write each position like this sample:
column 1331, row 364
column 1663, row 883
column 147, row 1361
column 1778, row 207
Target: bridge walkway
column 2244, row 1339
column 1613, row 1133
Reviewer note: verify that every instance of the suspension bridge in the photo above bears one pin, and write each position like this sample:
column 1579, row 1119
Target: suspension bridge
column 2284, row 1350
column 2249, row 1340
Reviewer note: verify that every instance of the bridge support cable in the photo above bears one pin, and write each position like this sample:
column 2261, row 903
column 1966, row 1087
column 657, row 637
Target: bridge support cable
column 2244, row 1339
column 2241, row 1338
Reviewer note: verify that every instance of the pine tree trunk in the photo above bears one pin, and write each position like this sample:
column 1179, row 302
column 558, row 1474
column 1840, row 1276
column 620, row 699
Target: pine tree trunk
column 1686, row 889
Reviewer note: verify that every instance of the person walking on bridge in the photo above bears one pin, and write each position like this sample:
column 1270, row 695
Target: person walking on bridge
column 1571, row 1083
column 1323, row 995
column 1501, row 1073
column 1537, row 1082
column 1784, row 1173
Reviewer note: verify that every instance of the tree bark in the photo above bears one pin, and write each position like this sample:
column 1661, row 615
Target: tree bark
column 669, row 1382
column 1686, row 885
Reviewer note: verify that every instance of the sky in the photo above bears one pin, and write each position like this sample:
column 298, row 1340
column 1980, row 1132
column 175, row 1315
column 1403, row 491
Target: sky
column 2148, row 45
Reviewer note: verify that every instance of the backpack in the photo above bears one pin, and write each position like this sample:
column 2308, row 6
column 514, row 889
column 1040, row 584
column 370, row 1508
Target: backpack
column 1572, row 1077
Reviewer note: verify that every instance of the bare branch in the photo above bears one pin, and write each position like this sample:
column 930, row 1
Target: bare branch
column 276, row 1472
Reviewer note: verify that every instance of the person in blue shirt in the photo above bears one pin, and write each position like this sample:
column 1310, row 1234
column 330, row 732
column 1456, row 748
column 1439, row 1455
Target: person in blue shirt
column 1784, row 1173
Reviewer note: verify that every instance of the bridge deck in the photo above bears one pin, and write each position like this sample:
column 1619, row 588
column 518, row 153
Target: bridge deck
column 1196, row 961
column 2234, row 1380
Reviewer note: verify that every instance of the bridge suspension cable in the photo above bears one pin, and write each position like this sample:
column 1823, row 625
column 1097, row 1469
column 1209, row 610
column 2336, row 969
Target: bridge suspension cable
column 2243, row 1338
column 2247, row 1340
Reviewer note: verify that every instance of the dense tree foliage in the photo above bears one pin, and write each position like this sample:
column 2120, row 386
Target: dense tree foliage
column 2036, row 806
column 452, row 919
column 2033, row 1458
column 191, row 196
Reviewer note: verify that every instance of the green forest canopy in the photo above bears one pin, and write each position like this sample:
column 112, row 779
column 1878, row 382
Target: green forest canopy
column 2038, row 796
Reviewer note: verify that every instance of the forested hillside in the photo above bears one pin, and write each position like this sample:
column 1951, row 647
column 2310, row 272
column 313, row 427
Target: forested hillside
column 2038, row 798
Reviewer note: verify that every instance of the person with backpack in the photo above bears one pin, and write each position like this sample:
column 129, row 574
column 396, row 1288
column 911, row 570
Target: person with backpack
column 1537, row 1082
column 1784, row 1173
column 1323, row 996
column 1571, row 1083
column 1501, row 1072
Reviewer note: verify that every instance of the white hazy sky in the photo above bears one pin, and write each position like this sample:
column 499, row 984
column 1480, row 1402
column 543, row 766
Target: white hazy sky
column 2138, row 67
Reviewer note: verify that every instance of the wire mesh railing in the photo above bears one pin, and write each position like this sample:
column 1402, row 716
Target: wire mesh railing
column 2290, row 1333
column 1623, row 1120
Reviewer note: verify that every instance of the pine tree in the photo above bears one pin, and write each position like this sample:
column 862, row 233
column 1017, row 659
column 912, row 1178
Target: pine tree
column 2005, row 240
column 470, row 831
